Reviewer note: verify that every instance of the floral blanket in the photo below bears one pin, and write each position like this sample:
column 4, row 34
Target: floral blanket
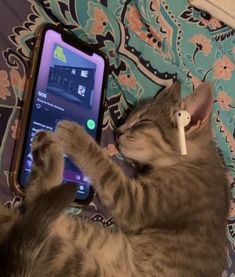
column 149, row 43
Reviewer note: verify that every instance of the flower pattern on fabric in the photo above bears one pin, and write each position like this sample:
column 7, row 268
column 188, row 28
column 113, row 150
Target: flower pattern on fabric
column 134, row 20
column 17, row 82
column 111, row 150
column 145, row 32
column 14, row 129
column 100, row 21
column 229, row 138
column 202, row 43
column 155, row 5
column 4, row 85
column 127, row 80
column 223, row 68
column 211, row 23
column 224, row 100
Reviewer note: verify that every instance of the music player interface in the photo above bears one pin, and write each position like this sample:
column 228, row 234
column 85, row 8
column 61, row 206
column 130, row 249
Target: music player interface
column 65, row 90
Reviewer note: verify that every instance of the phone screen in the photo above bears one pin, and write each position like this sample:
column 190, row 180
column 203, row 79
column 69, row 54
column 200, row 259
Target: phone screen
column 68, row 87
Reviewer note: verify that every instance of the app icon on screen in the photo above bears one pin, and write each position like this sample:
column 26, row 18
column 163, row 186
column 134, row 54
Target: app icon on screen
column 90, row 124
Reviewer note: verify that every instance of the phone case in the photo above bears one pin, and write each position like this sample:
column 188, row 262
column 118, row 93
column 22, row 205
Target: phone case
column 29, row 88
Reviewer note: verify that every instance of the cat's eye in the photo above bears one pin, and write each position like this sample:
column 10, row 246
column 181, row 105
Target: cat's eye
column 141, row 121
column 144, row 120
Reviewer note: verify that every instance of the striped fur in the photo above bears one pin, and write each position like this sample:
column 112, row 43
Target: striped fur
column 171, row 217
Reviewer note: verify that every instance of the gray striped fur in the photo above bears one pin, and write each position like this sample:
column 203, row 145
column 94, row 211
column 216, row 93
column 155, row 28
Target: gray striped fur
column 171, row 216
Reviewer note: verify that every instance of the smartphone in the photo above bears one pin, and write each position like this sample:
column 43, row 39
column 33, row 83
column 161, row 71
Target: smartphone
column 66, row 81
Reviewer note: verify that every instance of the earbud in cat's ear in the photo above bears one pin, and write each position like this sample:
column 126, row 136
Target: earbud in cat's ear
column 182, row 118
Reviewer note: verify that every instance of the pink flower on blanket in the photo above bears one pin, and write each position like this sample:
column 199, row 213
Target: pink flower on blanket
column 212, row 23
column 127, row 80
column 215, row 23
column 224, row 100
column 16, row 80
column 202, row 42
column 14, row 129
column 4, row 85
column 100, row 21
column 111, row 150
column 223, row 68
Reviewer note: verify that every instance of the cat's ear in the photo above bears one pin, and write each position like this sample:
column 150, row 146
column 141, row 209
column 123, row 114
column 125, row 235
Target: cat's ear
column 170, row 93
column 199, row 104
column 175, row 91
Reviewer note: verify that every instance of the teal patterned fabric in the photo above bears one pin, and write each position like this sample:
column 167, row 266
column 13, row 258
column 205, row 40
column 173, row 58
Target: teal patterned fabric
column 149, row 44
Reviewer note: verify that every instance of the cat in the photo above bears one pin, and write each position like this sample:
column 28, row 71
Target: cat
column 171, row 217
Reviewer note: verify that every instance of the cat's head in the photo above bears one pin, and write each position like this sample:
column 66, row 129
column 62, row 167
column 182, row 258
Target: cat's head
column 150, row 133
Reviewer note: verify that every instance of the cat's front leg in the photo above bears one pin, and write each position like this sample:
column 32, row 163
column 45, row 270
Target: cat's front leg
column 48, row 164
column 120, row 194
column 87, row 154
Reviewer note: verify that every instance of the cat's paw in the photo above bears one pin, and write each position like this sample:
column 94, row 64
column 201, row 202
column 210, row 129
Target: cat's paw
column 42, row 138
column 46, row 151
column 72, row 136
column 48, row 163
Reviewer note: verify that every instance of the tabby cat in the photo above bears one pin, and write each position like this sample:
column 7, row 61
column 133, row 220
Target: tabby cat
column 171, row 216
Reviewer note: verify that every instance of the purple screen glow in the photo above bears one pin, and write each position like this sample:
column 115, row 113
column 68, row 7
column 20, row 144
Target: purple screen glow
column 68, row 87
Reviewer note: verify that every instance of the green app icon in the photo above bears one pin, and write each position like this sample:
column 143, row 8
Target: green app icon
column 90, row 124
column 59, row 54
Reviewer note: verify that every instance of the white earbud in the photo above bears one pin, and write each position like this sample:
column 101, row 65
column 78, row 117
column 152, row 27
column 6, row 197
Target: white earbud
column 182, row 119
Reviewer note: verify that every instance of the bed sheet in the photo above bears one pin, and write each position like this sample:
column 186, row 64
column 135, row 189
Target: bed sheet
column 149, row 43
